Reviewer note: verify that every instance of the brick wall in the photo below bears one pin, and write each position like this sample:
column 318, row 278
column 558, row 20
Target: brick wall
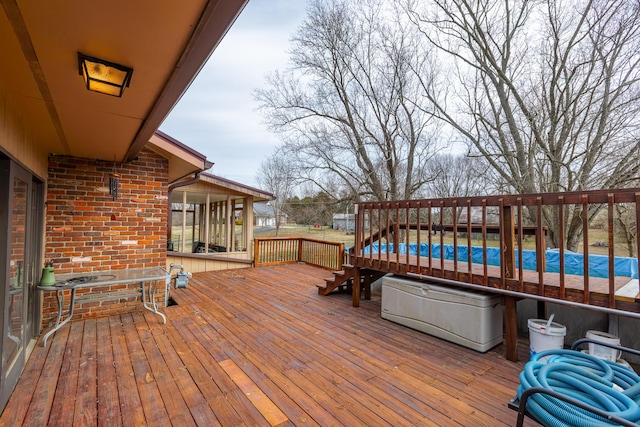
column 86, row 230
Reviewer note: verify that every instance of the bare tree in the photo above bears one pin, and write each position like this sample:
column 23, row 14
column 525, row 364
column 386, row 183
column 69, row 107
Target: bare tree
column 459, row 176
column 547, row 91
column 347, row 106
column 277, row 176
column 625, row 227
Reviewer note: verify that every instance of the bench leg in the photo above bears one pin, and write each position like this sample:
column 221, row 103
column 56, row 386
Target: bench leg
column 59, row 322
column 149, row 298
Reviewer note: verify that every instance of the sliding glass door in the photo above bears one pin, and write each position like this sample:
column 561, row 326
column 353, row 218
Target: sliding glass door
column 19, row 251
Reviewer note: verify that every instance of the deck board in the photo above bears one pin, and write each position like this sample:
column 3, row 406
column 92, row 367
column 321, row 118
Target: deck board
column 32, row 399
column 85, row 410
column 108, row 398
column 62, row 410
column 131, row 410
column 307, row 359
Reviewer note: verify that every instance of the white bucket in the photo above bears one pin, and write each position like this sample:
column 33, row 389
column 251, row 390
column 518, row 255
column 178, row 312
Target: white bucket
column 600, row 351
column 545, row 335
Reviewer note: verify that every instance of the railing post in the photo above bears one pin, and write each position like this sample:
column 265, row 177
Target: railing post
column 256, row 252
column 585, row 246
column 508, row 237
column 358, row 238
column 396, row 235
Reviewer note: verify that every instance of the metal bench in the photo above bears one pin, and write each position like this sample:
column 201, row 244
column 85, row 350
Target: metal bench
column 96, row 284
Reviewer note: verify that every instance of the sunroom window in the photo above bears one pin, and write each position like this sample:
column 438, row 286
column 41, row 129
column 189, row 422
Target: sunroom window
column 205, row 223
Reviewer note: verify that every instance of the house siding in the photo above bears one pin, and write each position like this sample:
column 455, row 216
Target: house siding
column 17, row 139
column 87, row 230
column 199, row 264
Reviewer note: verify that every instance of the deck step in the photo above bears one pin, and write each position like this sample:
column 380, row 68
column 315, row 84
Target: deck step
column 340, row 278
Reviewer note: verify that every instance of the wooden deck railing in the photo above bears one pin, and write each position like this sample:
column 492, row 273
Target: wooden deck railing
column 506, row 222
column 284, row 250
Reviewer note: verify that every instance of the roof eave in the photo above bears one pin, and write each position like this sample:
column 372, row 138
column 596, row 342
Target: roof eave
column 206, row 36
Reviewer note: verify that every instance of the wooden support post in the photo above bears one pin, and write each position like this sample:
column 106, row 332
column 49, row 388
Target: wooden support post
column 183, row 238
column 367, row 286
column 247, row 221
column 207, row 221
column 355, row 289
column 232, row 246
column 511, row 328
column 542, row 310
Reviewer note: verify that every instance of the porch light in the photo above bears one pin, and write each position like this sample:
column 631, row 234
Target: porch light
column 104, row 76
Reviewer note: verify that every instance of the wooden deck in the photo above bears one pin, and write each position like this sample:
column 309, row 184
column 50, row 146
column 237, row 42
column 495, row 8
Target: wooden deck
column 260, row 347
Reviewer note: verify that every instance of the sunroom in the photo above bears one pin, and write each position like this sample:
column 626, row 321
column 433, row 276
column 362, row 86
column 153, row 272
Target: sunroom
column 211, row 223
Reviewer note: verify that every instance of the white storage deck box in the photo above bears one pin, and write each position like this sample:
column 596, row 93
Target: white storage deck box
column 469, row 318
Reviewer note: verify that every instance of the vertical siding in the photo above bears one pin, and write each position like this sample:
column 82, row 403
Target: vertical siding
column 17, row 139
column 199, row 265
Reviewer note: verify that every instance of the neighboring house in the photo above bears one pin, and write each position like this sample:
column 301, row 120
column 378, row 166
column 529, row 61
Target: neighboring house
column 492, row 216
column 346, row 222
column 343, row 222
column 265, row 216
column 95, row 159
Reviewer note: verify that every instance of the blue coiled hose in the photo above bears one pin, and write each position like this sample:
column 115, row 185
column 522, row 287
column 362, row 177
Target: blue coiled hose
column 605, row 385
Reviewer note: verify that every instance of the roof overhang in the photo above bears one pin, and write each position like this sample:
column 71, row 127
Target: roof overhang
column 258, row 195
column 166, row 43
column 183, row 160
column 218, row 189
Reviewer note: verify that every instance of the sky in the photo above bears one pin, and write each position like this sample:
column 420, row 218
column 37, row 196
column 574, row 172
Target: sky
column 217, row 115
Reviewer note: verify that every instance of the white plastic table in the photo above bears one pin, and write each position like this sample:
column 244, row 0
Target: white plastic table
column 148, row 279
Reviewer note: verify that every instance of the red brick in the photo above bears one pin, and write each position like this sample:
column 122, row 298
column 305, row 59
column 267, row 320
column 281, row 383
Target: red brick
column 79, row 221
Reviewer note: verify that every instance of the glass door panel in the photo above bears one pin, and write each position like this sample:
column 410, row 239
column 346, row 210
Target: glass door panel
column 15, row 290
column 20, row 231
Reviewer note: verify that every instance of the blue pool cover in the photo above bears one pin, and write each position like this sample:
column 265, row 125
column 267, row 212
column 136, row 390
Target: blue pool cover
column 573, row 262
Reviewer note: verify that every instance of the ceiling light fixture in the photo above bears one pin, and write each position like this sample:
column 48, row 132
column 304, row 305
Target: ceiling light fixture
column 104, row 76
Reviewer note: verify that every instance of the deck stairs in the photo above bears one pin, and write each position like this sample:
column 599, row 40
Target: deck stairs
column 343, row 280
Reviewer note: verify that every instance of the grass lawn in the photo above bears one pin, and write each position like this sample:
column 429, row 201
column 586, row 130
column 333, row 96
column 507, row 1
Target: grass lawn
column 322, row 233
